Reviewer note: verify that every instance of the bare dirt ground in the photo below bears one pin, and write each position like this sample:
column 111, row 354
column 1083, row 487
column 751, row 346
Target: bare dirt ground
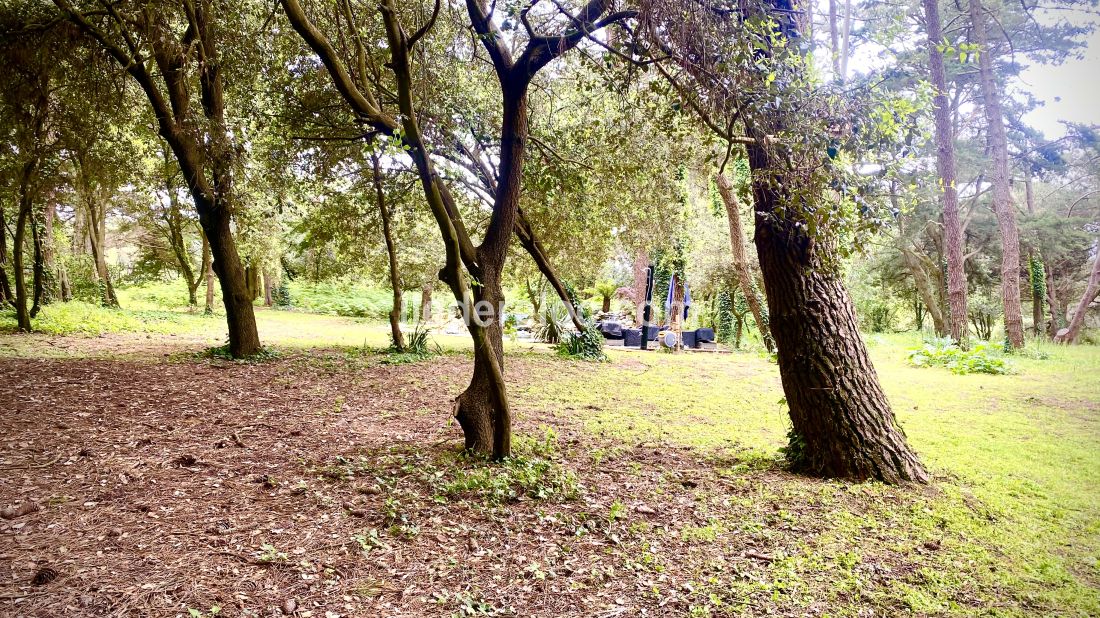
column 323, row 485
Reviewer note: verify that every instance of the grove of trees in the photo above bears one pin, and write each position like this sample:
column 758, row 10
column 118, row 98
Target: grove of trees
column 775, row 154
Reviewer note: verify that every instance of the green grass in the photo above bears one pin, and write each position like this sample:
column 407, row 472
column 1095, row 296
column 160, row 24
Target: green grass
column 1017, row 487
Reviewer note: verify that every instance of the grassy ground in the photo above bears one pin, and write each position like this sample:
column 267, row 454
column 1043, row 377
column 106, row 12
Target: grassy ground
column 1011, row 525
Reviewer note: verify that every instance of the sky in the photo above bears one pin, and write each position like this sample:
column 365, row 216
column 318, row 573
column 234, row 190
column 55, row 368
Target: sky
column 1071, row 91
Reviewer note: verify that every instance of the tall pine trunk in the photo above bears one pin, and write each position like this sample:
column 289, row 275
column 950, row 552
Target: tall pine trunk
column 945, row 168
column 997, row 141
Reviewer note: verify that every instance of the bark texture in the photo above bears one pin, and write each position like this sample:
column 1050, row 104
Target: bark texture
column 946, row 170
column 997, row 141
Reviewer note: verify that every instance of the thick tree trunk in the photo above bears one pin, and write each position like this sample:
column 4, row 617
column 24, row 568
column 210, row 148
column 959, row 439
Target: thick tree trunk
column 1002, row 195
column 945, row 167
column 740, row 261
column 842, row 422
column 396, row 335
column 244, row 339
column 1078, row 320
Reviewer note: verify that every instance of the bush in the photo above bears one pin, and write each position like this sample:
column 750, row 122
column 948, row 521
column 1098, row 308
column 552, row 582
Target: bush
column 585, row 345
column 944, row 352
column 553, row 323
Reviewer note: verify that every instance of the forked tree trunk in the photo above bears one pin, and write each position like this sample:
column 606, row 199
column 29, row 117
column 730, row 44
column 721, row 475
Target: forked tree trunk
column 925, row 291
column 945, row 168
column 391, row 254
column 842, row 424
column 1002, row 193
column 1091, row 291
column 740, row 261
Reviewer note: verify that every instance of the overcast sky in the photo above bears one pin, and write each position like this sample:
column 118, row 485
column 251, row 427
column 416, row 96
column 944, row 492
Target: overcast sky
column 1071, row 91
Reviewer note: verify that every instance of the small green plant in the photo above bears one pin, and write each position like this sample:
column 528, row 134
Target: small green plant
column 222, row 352
column 945, row 353
column 270, row 555
column 417, row 348
column 585, row 345
column 198, row 613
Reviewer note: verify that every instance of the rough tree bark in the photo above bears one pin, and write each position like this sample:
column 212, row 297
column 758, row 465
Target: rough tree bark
column 945, row 168
column 206, row 158
column 997, row 142
column 740, row 261
column 1071, row 332
column 391, row 253
column 842, row 424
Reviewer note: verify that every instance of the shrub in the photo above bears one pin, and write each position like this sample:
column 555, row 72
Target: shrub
column 553, row 323
column 944, row 353
column 585, row 345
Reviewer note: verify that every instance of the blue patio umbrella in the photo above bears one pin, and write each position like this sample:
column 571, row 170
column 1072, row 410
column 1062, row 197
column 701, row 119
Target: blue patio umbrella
column 671, row 290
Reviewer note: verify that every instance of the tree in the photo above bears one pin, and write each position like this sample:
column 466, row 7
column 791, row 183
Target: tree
column 139, row 37
column 745, row 63
column 1002, row 192
column 945, row 168
column 482, row 409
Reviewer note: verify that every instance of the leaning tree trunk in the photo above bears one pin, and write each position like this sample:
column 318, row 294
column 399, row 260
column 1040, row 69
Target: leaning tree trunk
column 842, row 423
column 1002, row 195
column 97, row 235
column 925, row 291
column 945, row 168
column 740, row 262
column 1071, row 332
column 391, row 254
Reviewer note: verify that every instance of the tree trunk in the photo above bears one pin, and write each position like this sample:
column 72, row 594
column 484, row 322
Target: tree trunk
column 244, row 339
column 1070, row 334
column 269, row 284
column 740, row 261
column 6, row 296
column 38, row 268
column 534, row 248
column 925, row 291
column 997, row 142
column 95, row 215
column 22, row 316
column 945, row 167
column 842, row 422
column 175, row 222
column 1055, row 307
column 426, row 302
column 641, row 275
column 391, row 254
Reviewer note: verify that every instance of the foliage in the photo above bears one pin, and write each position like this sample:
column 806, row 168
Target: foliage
column 280, row 296
column 585, row 345
column 946, row 353
column 553, row 323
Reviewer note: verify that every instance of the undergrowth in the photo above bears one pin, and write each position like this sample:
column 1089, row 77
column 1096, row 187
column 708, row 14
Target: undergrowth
column 945, row 353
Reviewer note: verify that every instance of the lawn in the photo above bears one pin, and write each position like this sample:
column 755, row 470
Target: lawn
column 326, row 481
